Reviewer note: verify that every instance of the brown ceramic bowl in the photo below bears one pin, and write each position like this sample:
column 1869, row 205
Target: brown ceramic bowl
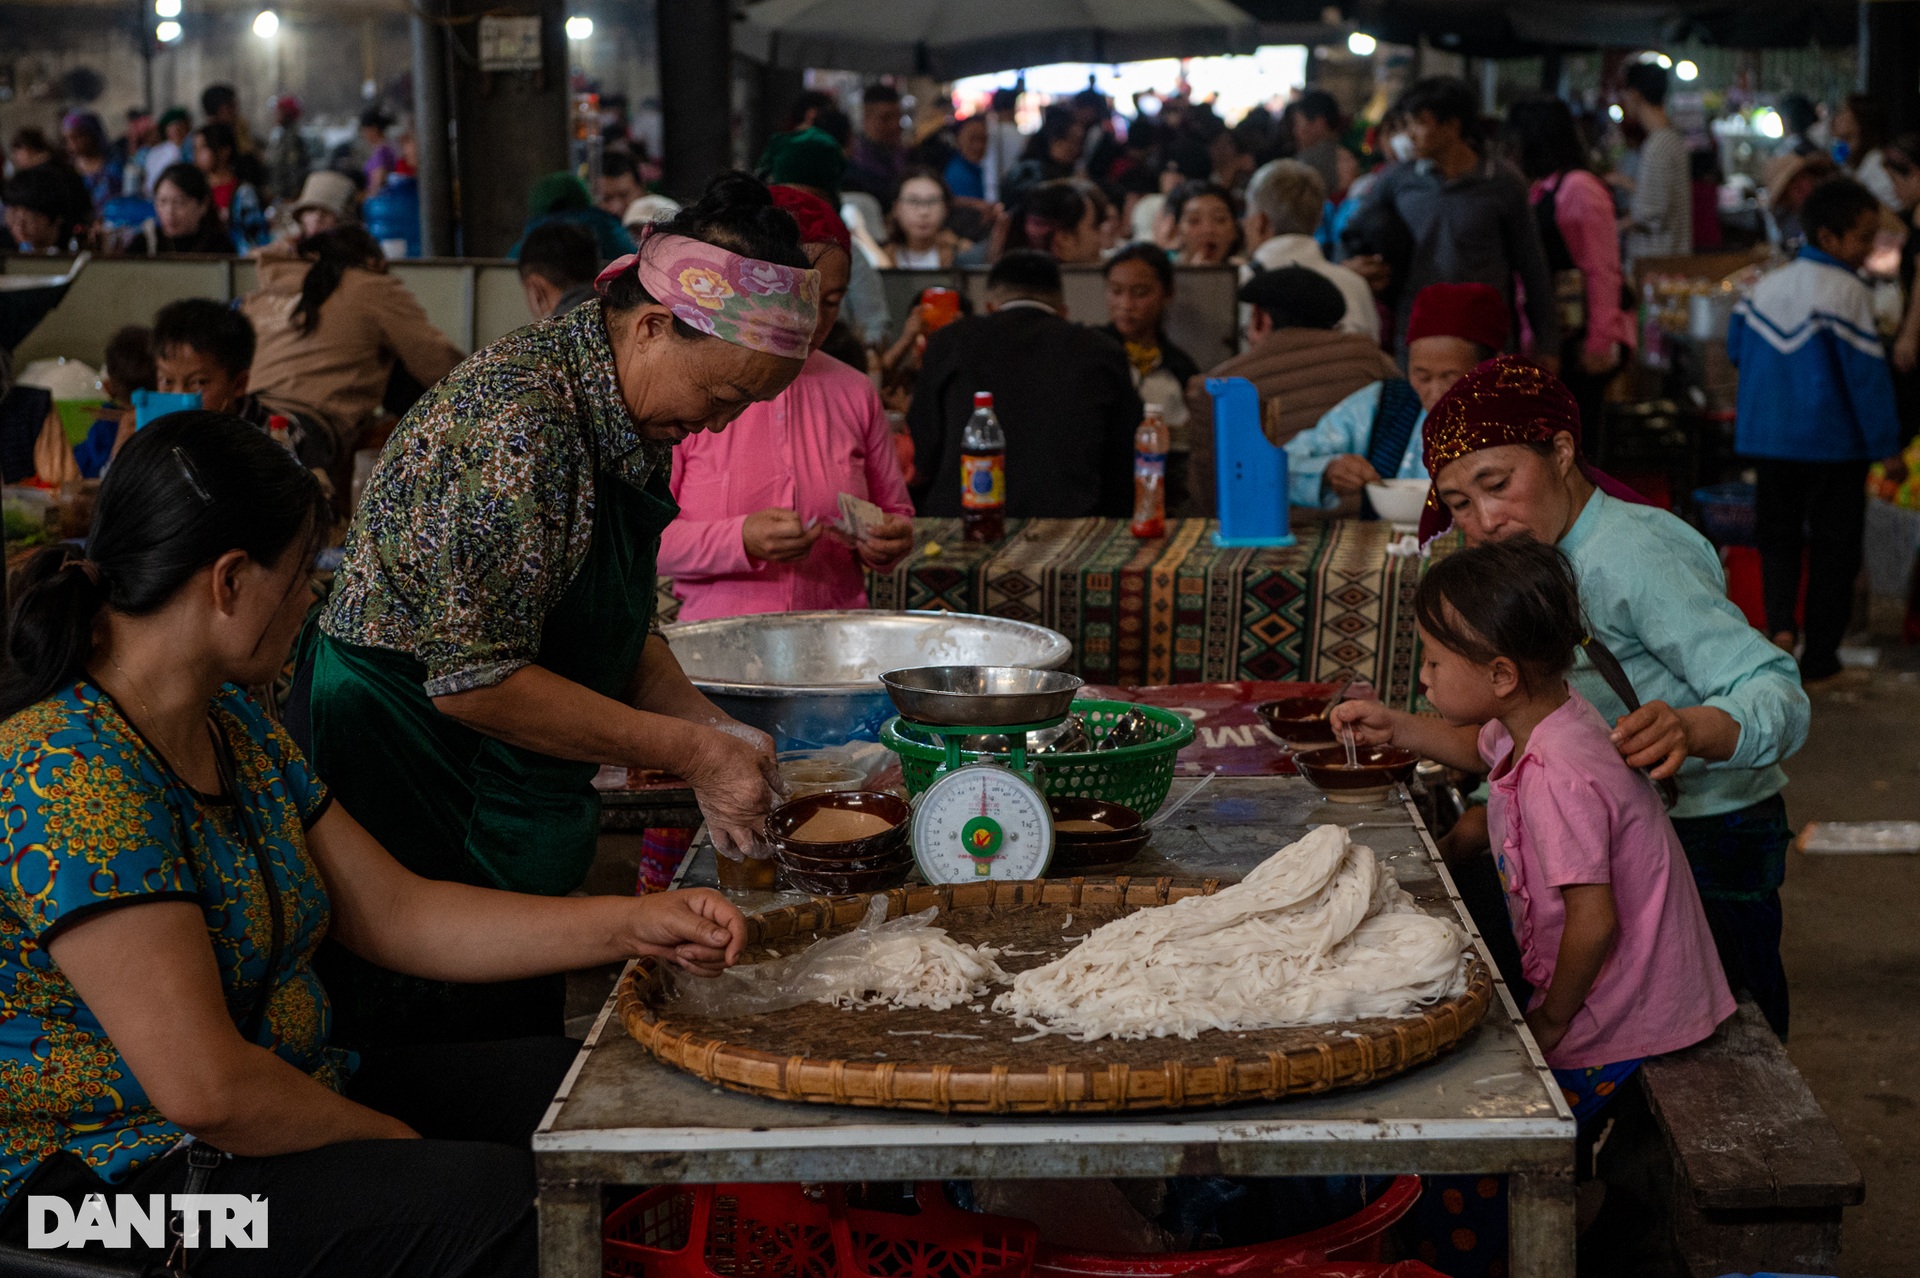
column 847, row 884
column 784, row 820
column 1070, row 858
column 1381, row 768
column 1122, row 822
column 902, row 855
column 1297, row 720
column 1079, row 851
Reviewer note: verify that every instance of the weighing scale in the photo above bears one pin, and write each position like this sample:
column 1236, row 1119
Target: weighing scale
column 985, row 819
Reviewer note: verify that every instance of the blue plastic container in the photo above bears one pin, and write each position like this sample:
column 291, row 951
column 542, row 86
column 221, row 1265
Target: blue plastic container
column 149, row 406
column 1252, row 478
column 1726, row 513
column 393, row 216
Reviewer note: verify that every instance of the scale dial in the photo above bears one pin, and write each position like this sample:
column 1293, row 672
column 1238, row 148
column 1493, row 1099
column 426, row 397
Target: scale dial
column 981, row 821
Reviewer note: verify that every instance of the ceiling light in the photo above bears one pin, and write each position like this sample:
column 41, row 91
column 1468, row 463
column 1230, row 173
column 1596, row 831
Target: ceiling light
column 1361, row 45
column 1615, row 114
column 266, row 24
column 1770, row 124
column 1686, row 69
column 167, row 8
column 580, row 28
column 167, row 32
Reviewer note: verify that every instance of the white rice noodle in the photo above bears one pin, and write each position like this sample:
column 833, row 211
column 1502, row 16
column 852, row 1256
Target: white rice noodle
column 1318, row 933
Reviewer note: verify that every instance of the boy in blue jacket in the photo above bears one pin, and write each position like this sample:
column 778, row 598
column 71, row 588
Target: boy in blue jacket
column 1816, row 409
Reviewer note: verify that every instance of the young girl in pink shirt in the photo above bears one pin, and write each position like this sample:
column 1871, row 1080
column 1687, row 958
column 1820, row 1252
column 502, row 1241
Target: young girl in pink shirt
column 1611, row 933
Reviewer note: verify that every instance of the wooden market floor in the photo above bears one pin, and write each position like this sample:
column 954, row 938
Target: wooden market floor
column 1852, row 949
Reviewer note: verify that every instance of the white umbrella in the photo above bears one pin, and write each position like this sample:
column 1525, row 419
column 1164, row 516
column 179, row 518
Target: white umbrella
column 951, row 38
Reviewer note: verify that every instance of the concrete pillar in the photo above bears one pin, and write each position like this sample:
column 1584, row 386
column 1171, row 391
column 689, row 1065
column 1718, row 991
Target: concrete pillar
column 431, row 126
column 1890, row 59
column 509, row 127
column 696, row 93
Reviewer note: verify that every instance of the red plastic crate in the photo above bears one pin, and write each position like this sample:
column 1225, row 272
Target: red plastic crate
column 720, row 1231
column 779, row 1231
column 938, row 1241
column 1355, row 1238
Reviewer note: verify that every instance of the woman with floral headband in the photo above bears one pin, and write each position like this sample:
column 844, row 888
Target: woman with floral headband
column 1719, row 706
column 487, row 645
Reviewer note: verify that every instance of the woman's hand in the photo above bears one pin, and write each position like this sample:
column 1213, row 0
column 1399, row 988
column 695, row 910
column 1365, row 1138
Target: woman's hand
column 1348, row 473
column 733, row 776
column 887, row 543
column 1653, row 737
column 697, row 930
column 776, row 535
column 1371, row 723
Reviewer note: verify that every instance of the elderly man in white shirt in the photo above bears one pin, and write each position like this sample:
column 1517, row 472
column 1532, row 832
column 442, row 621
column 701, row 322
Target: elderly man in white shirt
column 1284, row 202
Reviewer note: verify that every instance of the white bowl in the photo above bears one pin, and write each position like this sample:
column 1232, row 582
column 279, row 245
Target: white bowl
column 1399, row 501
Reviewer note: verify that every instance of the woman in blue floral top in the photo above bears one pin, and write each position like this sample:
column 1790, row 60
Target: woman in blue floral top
column 168, row 865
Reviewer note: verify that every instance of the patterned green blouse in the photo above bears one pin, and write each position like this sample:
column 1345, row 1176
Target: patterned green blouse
column 96, row 820
column 481, row 510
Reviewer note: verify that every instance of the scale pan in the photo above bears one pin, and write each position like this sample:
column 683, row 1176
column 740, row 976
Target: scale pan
column 980, row 696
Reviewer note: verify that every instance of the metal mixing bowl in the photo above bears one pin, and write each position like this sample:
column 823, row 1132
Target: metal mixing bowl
column 812, row 679
column 980, row 696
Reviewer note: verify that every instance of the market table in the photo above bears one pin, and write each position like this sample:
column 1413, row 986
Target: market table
column 1490, row 1107
column 1178, row 609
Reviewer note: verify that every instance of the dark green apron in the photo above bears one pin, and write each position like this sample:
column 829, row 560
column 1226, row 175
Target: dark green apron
column 451, row 803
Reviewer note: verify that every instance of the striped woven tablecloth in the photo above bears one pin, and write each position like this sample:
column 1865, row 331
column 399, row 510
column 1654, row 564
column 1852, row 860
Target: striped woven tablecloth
column 1179, row 609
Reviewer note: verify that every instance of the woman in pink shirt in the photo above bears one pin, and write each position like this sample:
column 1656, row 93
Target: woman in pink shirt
column 757, row 499
column 1611, row 932
column 1578, row 229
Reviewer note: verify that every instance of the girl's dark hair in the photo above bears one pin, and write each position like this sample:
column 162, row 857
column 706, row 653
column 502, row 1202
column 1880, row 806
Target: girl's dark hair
column 220, row 137
column 332, row 253
column 1515, row 599
column 1056, row 205
column 188, row 180
column 1541, row 134
column 737, row 213
column 183, row 492
column 1151, row 255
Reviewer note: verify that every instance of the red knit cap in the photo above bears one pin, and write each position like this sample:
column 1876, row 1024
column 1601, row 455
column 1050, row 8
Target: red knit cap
column 1507, row 400
column 819, row 224
column 1474, row 312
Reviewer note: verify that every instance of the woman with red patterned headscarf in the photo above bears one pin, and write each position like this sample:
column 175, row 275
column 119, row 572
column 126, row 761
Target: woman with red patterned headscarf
column 760, row 526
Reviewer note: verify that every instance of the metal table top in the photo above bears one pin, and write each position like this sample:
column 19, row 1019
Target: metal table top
column 1490, row 1106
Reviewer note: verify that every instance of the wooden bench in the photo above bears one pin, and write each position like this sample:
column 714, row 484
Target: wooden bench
column 1759, row 1174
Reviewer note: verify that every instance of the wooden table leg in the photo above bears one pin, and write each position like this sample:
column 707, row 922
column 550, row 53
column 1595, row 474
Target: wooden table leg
column 569, row 1230
column 1540, row 1224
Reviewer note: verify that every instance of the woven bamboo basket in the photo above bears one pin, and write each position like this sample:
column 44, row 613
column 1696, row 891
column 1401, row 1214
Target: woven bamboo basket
column 964, row 1060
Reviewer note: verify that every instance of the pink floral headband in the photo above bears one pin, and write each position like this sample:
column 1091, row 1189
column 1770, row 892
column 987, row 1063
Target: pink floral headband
column 759, row 305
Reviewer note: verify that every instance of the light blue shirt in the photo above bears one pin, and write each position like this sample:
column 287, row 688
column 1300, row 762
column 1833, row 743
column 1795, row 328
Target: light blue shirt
column 1654, row 593
column 1346, row 428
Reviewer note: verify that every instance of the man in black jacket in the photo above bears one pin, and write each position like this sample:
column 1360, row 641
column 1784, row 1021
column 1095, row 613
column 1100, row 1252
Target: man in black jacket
column 1063, row 393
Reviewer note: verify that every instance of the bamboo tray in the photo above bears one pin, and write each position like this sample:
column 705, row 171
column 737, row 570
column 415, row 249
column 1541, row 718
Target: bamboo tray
column 964, row 1061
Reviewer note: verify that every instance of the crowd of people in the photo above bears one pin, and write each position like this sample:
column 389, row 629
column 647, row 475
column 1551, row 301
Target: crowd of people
column 169, row 185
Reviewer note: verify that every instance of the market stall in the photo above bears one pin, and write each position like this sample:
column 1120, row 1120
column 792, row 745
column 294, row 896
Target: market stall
column 1488, row 1105
column 1178, row 609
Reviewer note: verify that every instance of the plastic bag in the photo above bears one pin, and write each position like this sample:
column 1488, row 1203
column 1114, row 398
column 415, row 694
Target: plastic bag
column 905, row 961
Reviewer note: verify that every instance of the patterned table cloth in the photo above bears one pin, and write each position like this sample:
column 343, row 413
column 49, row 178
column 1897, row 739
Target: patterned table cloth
column 1178, row 609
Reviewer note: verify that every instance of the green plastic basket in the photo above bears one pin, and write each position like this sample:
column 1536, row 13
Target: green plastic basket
column 1137, row 776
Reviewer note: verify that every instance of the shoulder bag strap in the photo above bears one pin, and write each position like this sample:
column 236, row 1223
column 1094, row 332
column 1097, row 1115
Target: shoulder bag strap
column 1616, row 676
